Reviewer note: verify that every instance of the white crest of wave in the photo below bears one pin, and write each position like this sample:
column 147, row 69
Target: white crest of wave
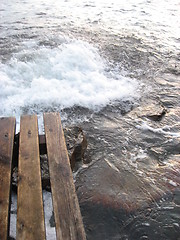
column 72, row 74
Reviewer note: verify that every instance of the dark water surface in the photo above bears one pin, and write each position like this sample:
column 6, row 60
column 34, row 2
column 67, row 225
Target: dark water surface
column 112, row 68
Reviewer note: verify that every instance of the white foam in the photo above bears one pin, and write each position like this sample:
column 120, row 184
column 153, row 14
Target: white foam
column 173, row 183
column 146, row 224
column 164, row 131
column 71, row 74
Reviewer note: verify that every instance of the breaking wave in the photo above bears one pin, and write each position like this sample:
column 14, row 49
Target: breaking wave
column 73, row 74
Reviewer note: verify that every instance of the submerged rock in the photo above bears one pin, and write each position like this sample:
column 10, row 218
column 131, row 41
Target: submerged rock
column 134, row 175
column 14, row 178
column 155, row 111
column 52, row 220
column 157, row 116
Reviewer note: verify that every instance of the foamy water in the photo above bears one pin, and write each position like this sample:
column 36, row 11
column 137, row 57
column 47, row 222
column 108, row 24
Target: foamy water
column 73, row 74
column 163, row 131
column 40, row 73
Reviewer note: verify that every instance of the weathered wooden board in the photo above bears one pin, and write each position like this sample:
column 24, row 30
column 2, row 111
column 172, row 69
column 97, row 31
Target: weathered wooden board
column 69, row 225
column 30, row 215
column 7, row 131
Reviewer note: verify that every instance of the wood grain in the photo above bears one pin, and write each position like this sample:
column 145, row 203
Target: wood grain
column 30, row 215
column 7, row 131
column 69, row 225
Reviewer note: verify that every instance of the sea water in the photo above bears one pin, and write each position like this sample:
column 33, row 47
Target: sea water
column 105, row 66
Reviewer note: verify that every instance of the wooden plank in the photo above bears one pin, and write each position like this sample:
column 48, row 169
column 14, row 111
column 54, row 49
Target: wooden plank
column 30, row 215
column 69, row 225
column 7, row 131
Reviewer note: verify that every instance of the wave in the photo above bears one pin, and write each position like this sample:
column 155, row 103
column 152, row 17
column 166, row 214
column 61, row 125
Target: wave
column 72, row 74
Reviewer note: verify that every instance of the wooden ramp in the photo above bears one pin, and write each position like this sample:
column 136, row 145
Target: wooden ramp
column 30, row 212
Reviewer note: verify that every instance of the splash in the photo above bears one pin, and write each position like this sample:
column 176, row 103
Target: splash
column 73, row 74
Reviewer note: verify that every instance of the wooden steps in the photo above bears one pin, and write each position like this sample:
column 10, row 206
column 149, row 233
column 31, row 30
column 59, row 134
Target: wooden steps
column 30, row 212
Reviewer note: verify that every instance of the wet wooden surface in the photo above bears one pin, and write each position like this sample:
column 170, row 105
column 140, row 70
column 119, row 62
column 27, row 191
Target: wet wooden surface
column 69, row 225
column 30, row 215
column 7, row 130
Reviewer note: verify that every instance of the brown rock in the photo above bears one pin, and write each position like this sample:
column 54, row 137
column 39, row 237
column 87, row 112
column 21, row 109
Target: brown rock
column 76, row 143
column 154, row 111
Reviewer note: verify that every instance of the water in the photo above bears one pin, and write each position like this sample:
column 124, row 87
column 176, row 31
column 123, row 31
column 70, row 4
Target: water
column 112, row 68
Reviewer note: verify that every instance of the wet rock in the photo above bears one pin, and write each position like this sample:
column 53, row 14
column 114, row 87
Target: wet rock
column 11, row 238
column 158, row 116
column 14, row 178
column 113, row 185
column 45, row 172
column 76, row 143
column 154, row 111
column 52, row 220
